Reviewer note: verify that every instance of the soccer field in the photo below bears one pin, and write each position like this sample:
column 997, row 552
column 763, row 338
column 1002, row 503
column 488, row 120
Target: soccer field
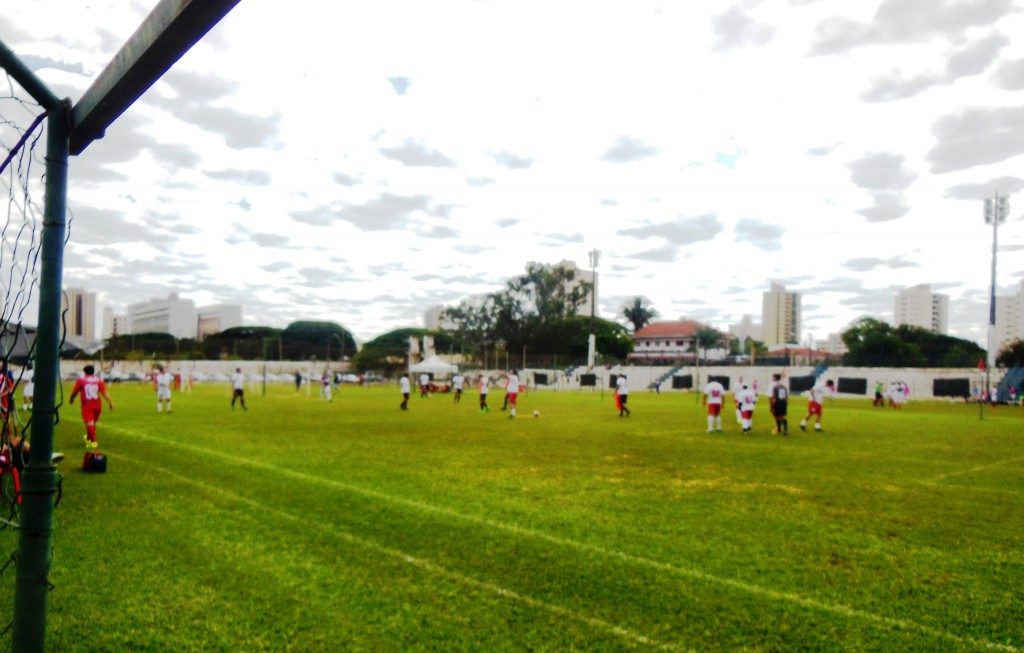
column 304, row 525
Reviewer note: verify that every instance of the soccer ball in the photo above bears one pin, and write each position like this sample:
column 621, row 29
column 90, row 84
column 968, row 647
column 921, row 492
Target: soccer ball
column 536, row 413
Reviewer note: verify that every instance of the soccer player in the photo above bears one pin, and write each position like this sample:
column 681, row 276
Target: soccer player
column 512, row 392
column 818, row 393
column 714, row 395
column 779, row 404
column 162, row 381
column 6, row 401
column 879, row 397
column 483, row 384
column 457, row 387
column 424, row 385
column 403, row 386
column 325, row 386
column 746, row 398
column 622, row 392
column 238, row 388
column 92, row 388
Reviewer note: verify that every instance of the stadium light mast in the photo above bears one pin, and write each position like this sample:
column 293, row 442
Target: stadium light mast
column 996, row 210
column 594, row 255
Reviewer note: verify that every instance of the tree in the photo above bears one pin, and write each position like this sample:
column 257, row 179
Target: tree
column 705, row 338
column 322, row 339
column 387, row 352
column 1011, row 354
column 548, row 293
column 520, row 314
column 639, row 313
column 244, row 342
column 873, row 343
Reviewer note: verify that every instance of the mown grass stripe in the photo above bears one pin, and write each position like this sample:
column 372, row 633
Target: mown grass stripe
column 418, row 562
column 749, row 588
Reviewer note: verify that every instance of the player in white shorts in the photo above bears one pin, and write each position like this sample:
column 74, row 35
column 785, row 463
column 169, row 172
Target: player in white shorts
column 162, row 380
column 746, row 398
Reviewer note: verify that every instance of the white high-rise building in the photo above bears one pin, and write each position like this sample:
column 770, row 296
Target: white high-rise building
column 215, row 318
column 172, row 315
column 432, row 316
column 746, row 328
column 79, row 310
column 780, row 316
column 1009, row 319
column 919, row 306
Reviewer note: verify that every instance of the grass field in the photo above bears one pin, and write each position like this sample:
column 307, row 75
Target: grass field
column 302, row 525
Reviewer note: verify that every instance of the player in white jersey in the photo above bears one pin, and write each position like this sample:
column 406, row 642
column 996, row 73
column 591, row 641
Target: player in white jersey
column 746, row 398
column 714, row 396
column 482, row 384
column 162, row 380
column 512, row 392
column 325, row 386
column 403, row 386
column 622, row 394
column 238, row 388
column 818, row 394
column 457, row 387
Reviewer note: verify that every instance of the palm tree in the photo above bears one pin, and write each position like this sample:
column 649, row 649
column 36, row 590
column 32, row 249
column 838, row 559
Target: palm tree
column 706, row 337
column 639, row 313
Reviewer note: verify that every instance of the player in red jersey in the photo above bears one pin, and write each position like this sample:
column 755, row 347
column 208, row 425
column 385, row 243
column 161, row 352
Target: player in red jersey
column 91, row 387
column 6, row 401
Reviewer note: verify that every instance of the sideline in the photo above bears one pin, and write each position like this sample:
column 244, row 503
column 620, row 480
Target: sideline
column 777, row 595
column 975, row 469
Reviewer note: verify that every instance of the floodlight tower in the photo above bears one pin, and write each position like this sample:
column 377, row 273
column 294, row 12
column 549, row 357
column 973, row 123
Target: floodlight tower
column 594, row 255
column 996, row 211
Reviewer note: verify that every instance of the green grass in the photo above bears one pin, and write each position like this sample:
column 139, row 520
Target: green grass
column 301, row 525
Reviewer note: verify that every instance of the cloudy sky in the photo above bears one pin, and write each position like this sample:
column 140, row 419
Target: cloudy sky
column 361, row 161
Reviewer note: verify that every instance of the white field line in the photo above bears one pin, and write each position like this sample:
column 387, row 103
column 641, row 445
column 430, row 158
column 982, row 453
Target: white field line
column 969, row 488
column 689, row 572
column 979, row 468
column 420, row 563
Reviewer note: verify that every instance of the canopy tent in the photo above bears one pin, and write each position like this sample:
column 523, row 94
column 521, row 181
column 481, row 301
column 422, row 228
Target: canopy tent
column 434, row 365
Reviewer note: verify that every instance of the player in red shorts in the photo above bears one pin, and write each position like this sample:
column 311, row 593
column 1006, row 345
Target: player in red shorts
column 714, row 394
column 512, row 392
column 818, row 394
column 91, row 387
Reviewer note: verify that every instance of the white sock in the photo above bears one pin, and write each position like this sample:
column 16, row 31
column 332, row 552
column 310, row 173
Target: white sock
column 718, row 422
column 711, row 422
column 159, row 407
column 746, row 424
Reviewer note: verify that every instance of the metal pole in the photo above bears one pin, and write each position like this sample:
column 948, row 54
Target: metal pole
column 39, row 480
column 991, row 305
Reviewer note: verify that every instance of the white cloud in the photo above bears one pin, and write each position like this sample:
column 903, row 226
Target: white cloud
column 489, row 130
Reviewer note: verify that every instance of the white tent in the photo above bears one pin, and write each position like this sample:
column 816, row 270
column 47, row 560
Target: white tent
column 434, row 365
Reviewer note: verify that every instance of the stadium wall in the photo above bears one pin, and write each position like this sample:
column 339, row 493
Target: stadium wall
column 639, row 378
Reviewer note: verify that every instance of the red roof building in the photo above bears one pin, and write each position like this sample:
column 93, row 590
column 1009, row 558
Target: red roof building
column 674, row 341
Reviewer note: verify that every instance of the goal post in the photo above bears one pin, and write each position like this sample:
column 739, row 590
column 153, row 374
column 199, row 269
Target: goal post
column 166, row 34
